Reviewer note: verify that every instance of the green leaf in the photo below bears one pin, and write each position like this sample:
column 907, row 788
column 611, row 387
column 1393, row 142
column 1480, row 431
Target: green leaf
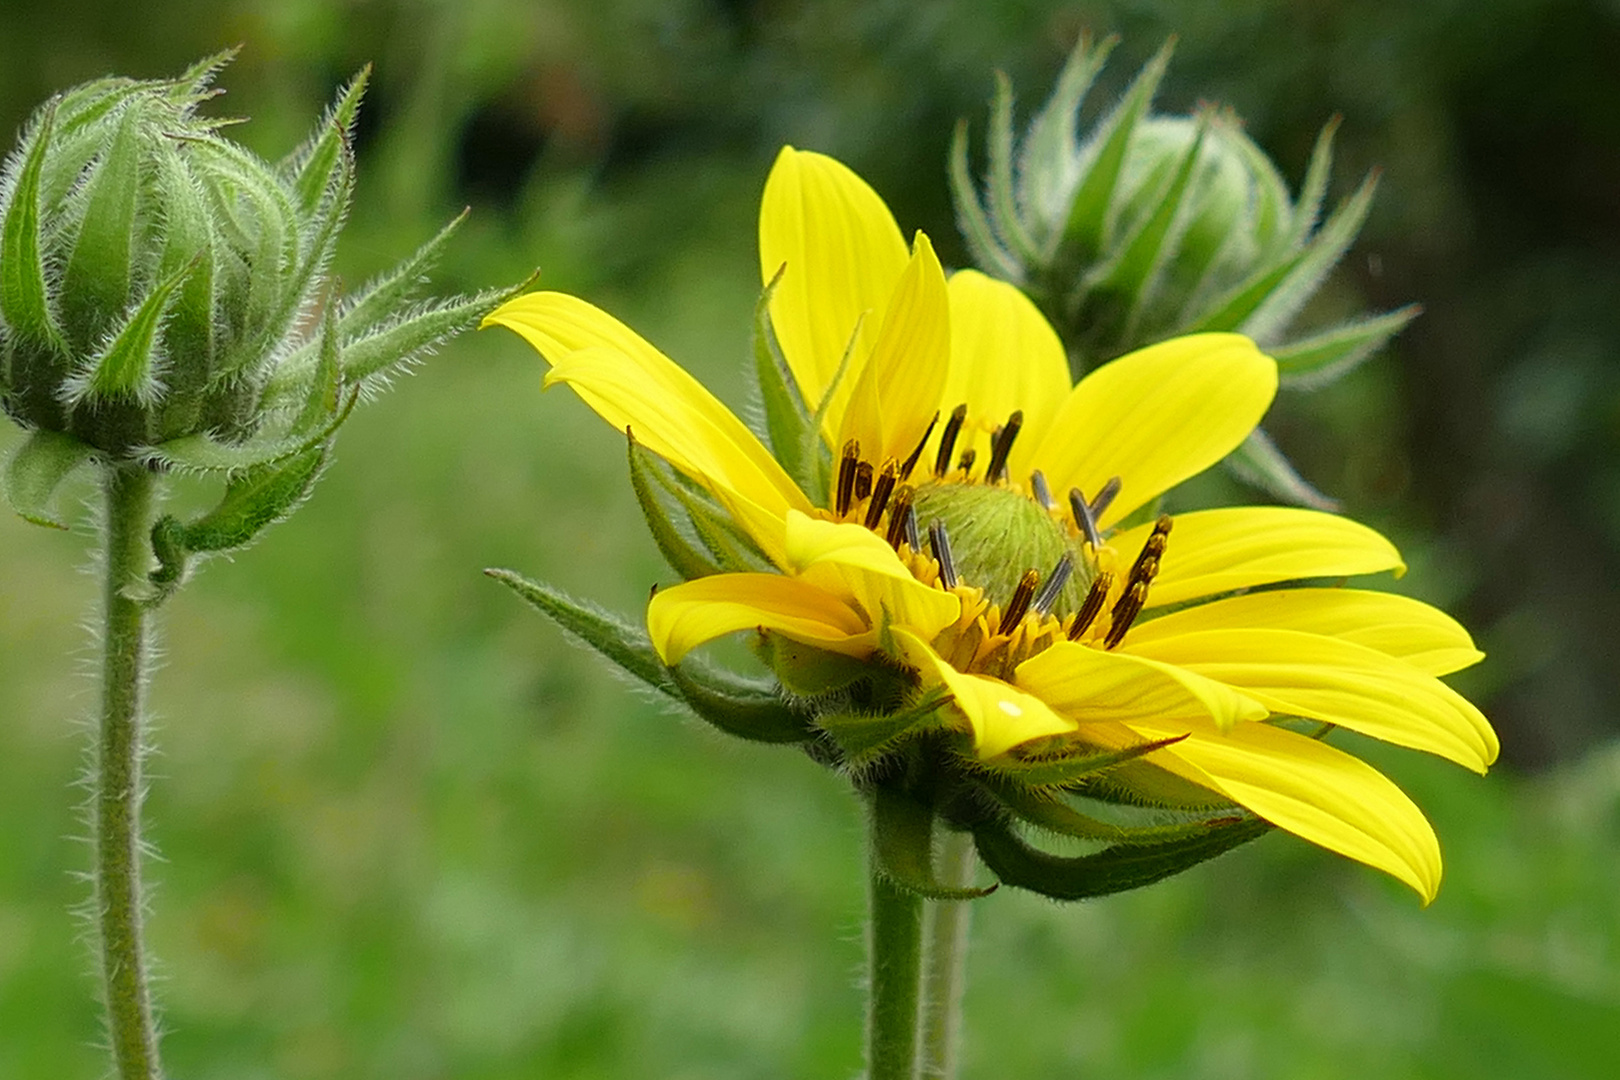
column 863, row 738
column 685, row 559
column 126, row 368
column 96, row 284
column 1005, row 213
column 747, row 710
column 1260, row 463
column 970, row 216
column 1114, row 869
column 253, row 501
column 1328, row 354
column 626, row 645
column 903, row 840
column 1083, row 232
column 24, row 301
column 1271, row 318
column 1061, row 760
column 793, row 437
column 37, row 468
column 1047, row 156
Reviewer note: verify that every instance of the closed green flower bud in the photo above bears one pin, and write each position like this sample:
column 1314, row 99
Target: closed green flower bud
column 1152, row 226
column 166, row 300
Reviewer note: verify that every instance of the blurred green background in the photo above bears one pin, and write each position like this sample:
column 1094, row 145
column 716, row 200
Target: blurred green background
column 409, row 832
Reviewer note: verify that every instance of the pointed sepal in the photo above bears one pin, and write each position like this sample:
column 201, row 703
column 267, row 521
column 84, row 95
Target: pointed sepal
column 36, row 469
column 794, row 436
column 903, row 841
column 24, row 300
column 864, row 738
column 127, row 368
column 1259, row 463
column 1114, row 869
column 255, row 500
column 1324, row 356
column 97, row 280
column 1058, row 761
column 651, row 491
column 747, row 710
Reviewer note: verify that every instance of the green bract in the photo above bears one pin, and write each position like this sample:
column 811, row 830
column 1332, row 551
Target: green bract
column 166, row 302
column 1152, row 226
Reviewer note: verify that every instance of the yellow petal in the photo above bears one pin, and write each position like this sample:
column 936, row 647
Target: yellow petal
column 1091, row 686
column 1314, row 791
column 1338, row 681
column 1001, row 715
column 683, row 617
column 897, row 390
column 843, row 255
column 1156, row 417
column 1005, row 356
column 632, row 385
column 1216, row 551
column 1410, row 630
column 854, row 564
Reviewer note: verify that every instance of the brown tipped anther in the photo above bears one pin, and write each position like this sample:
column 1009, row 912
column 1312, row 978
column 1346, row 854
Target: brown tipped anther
column 1092, row 606
column 1084, row 518
column 911, row 529
column 1055, row 581
column 911, row 461
column 965, row 462
column 1104, row 497
column 1001, row 446
column 941, row 544
column 1018, row 606
column 899, row 507
column 848, row 462
column 947, row 440
column 1152, row 551
column 1042, row 490
column 1125, row 613
column 863, row 480
column 882, row 488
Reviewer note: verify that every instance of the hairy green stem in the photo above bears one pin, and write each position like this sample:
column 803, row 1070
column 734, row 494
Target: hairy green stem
column 946, row 967
column 118, row 787
column 894, row 945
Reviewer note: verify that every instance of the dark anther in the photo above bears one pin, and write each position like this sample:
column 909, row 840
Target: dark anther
column 1018, row 606
column 848, row 461
column 965, row 462
column 1055, row 581
column 1001, row 446
column 1125, row 612
column 1043, row 493
column 1084, row 518
column 1143, row 571
column 863, row 480
column 947, row 440
column 1092, row 606
column 1104, row 497
column 942, row 554
column 911, row 461
column 881, row 489
column 911, row 529
column 899, row 507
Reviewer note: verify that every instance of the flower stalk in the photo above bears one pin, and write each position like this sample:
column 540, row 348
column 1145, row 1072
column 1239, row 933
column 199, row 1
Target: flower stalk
column 118, row 787
column 894, row 992
column 945, row 964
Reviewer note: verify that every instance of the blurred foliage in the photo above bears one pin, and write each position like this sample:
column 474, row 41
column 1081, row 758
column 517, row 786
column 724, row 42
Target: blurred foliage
column 413, row 833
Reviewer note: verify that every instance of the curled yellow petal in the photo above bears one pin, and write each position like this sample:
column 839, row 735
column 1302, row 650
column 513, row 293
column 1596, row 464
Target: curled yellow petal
column 1410, row 630
column 1216, row 551
column 897, row 389
column 1157, row 416
column 1314, row 791
column 853, row 563
column 630, row 384
column 841, row 254
column 1005, row 356
column 1091, row 686
column 681, row 618
column 1000, row 714
column 1331, row 679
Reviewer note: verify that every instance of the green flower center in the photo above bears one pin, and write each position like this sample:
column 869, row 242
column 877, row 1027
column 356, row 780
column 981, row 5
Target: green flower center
column 997, row 534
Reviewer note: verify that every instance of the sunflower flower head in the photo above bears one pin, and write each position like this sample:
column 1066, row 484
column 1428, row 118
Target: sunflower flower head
column 953, row 562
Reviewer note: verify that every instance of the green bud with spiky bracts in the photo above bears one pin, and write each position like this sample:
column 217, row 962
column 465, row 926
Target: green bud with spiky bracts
column 1151, row 226
column 166, row 301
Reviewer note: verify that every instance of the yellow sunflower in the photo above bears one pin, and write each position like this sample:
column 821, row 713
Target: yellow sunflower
column 970, row 519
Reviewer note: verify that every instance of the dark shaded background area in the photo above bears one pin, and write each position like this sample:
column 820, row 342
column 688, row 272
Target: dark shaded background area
column 414, row 834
